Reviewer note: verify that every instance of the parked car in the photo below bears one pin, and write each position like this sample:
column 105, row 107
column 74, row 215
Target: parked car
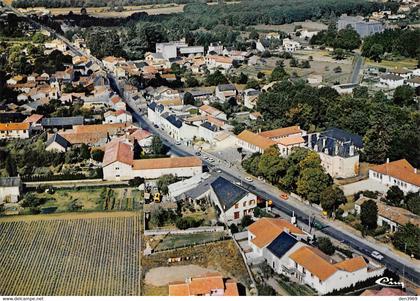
column 248, row 179
column 284, row 196
column 197, row 153
column 377, row 255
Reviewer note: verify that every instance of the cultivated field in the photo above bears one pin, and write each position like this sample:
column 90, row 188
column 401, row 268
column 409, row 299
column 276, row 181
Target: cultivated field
column 71, row 254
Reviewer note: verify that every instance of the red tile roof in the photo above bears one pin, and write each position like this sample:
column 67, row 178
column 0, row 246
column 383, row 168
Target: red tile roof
column 118, row 151
column 401, row 170
column 205, row 285
column 33, row 118
column 162, row 163
column 267, row 229
column 255, row 139
column 282, row 132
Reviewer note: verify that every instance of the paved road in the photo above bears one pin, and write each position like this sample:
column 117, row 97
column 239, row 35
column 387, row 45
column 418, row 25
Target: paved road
column 354, row 79
column 302, row 212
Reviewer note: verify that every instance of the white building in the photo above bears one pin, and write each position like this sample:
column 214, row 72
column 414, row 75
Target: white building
column 251, row 97
column 253, row 143
column 10, row 189
column 233, row 201
column 391, row 81
column 338, row 151
column 214, row 62
column 225, row 92
column 14, row 130
column 119, row 165
column 290, row 45
column 56, row 143
column 397, row 173
column 120, row 116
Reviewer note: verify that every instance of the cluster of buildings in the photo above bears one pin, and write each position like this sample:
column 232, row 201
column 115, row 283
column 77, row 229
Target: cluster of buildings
column 338, row 149
column 360, row 25
column 396, row 77
column 284, row 247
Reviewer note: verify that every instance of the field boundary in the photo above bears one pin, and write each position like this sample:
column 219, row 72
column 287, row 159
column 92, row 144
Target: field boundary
column 68, row 216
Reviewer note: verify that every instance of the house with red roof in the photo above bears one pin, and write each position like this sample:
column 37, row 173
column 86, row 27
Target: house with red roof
column 211, row 284
column 397, row 173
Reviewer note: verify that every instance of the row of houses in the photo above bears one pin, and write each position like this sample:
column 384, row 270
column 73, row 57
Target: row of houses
column 283, row 247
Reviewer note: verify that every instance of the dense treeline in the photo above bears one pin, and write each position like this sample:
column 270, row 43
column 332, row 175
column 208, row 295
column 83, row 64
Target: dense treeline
column 203, row 24
column 390, row 129
column 399, row 42
column 91, row 3
column 346, row 38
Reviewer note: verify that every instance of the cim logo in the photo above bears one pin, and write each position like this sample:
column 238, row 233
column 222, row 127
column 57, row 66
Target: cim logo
column 389, row 282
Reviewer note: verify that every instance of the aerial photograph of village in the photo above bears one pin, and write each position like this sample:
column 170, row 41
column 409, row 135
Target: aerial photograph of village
column 242, row 148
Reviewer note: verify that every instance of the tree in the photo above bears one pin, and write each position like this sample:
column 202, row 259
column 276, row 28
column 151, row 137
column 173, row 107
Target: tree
column 293, row 62
column 265, row 290
column 278, row 74
column 325, row 245
column 246, row 221
column 369, row 214
column 39, row 38
column 253, row 35
column 233, row 228
column 252, row 84
column 217, row 78
column 97, row 155
column 331, row 198
column 305, row 64
column 191, row 81
column 311, row 182
column 339, row 54
column 361, row 92
column 404, row 95
column 157, row 147
column 394, row 196
column 407, row 239
column 189, row 99
column 11, row 167
column 412, row 199
column 84, row 152
column 243, row 79
column 375, row 52
column 164, row 181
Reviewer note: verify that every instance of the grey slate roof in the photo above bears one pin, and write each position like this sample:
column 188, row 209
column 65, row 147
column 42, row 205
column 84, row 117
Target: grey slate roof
column 283, row 243
column 209, row 126
column 343, row 136
column 62, row 121
column 175, row 121
column 227, row 193
column 59, row 139
column 10, row 182
column 226, row 87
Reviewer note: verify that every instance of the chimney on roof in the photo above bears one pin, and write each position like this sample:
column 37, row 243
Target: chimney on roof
column 188, row 280
column 387, row 160
column 285, row 229
column 415, row 170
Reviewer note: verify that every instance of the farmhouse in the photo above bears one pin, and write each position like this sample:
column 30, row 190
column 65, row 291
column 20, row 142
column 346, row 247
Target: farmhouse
column 120, row 116
column 57, row 143
column 225, row 92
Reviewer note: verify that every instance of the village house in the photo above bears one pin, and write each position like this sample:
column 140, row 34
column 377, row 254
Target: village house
column 207, row 110
column 251, row 97
column 10, row 189
column 14, row 130
column 290, row 45
column 397, row 173
column 119, row 164
column 233, row 201
column 312, row 267
column 52, row 123
column 34, row 121
column 389, row 216
column 338, row 151
column 253, row 143
column 265, row 230
column 225, row 92
column 391, row 81
column 214, row 62
column 120, row 116
column 211, row 284
column 57, row 144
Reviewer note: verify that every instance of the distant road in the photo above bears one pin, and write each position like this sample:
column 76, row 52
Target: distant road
column 354, row 79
